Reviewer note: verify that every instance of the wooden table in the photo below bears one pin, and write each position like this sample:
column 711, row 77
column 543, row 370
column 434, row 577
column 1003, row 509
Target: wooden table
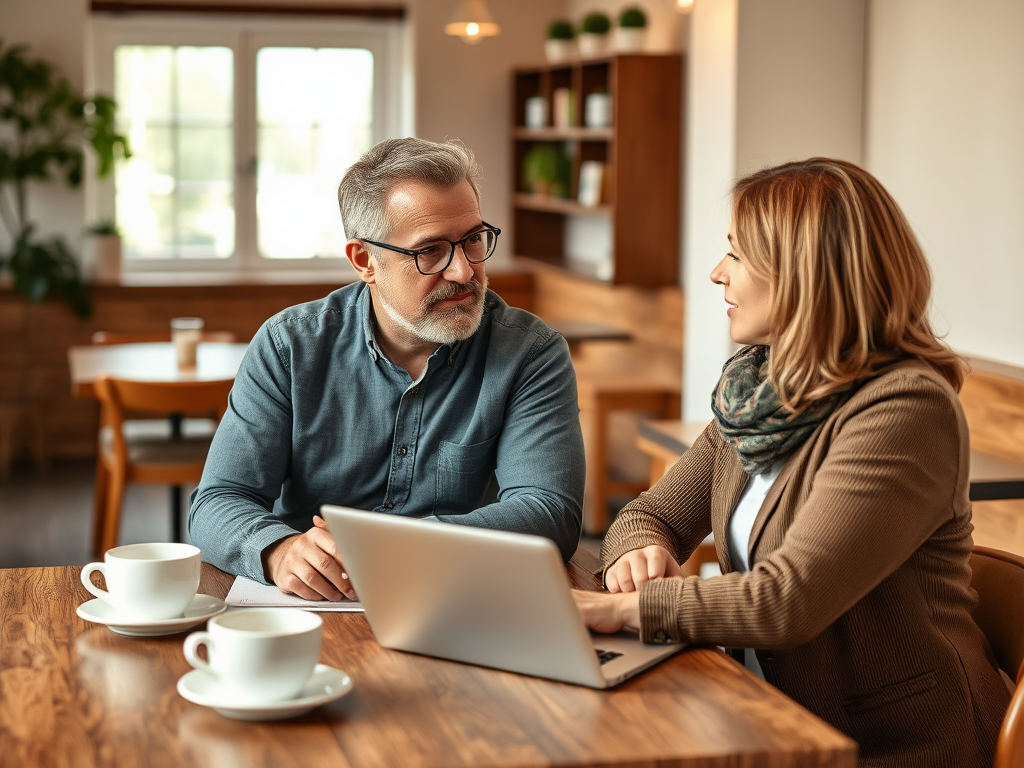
column 576, row 332
column 665, row 441
column 150, row 362
column 74, row 693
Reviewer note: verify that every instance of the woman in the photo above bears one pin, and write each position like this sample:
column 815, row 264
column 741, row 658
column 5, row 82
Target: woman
column 835, row 480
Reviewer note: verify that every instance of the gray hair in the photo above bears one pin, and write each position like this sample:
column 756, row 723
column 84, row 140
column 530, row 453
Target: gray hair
column 364, row 190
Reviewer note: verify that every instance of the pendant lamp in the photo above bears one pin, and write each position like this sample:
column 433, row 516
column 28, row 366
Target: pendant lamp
column 472, row 22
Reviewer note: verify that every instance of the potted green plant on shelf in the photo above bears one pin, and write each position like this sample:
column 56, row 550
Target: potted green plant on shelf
column 594, row 31
column 101, row 253
column 631, row 35
column 45, row 125
column 547, row 170
column 560, row 44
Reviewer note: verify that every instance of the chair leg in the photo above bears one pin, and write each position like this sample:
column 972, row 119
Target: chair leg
column 115, row 498
column 99, row 505
column 8, row 423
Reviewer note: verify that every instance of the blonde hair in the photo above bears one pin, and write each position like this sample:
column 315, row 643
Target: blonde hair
column 850, row 285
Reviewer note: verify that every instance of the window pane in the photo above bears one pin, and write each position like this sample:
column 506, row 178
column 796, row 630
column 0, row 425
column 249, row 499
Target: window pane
column 315, row 118
column 175, row 196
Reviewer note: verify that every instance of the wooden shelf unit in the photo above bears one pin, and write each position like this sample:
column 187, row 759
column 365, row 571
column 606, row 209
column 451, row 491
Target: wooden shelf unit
column 641, row 153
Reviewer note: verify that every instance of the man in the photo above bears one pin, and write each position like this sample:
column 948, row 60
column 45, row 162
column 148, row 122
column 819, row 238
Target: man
column 415, row 391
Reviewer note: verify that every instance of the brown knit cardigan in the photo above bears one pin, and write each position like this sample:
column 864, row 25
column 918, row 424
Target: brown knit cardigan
column 858, row 600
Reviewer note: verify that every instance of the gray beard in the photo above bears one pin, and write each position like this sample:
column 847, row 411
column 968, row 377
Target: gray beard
column 457, row 323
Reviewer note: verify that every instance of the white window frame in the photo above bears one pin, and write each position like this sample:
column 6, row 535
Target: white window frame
column 245, row 35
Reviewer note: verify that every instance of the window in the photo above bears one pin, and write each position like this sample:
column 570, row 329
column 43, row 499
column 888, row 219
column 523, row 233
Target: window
column 241, row 130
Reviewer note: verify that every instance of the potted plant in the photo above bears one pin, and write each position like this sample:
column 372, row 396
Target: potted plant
column 547, row 170
column 594, row 30
column 45, row 125
column 631, row 36
column 560, row 45
column 101, row 253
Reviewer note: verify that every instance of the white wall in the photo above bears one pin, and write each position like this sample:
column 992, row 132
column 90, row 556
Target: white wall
column 945, row 135
column 709, row 168
column 768, row 82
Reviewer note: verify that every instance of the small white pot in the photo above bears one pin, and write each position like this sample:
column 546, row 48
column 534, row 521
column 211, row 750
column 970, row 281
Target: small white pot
column 593, row 45
column 631, row 39
column 557, row 51
column 101, row 259
column 597, row 110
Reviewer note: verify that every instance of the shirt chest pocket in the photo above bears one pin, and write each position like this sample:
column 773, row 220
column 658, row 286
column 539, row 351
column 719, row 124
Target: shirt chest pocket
column 464, row 473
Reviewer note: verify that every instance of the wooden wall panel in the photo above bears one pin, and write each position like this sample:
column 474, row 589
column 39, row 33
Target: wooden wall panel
column 34, row 378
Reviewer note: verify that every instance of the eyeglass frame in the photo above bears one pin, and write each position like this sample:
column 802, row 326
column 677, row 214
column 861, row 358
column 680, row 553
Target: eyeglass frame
column 451, row 256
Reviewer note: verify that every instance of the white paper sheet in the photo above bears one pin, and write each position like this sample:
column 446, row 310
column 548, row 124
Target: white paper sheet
column 246, row 593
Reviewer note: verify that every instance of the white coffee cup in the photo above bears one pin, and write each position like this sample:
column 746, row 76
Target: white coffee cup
column 259, row 654
column 147, row 581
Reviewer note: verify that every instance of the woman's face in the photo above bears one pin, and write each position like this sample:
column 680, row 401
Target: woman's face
column 747, row 295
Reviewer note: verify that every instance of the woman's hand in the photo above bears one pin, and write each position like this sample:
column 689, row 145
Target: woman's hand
column 607, row 613
column 639, row 565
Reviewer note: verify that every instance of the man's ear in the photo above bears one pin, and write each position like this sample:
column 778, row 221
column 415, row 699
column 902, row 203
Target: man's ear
column 362, row 261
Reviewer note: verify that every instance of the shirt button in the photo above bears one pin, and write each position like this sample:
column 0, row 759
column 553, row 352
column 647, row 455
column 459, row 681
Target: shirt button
column 389, row 506
column 660, row 636
column 414, row 391
column 403, row 450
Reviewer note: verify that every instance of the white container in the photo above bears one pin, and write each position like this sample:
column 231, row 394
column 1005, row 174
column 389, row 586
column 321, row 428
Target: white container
column 101, row 259
column 591, row 45
column 631, row 39
column 147, row 581
column 597, row 110
column 558, row 51
column 261, row 654
column 536, row 112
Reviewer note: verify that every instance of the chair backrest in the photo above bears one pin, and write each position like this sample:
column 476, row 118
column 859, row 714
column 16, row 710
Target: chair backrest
column 185, row 398
column 107, row 338
column 998, row 578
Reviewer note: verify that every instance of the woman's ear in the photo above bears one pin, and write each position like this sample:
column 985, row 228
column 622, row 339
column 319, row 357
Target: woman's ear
column 361, row 260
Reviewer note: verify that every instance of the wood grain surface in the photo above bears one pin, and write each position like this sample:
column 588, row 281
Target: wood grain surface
column 75, row 694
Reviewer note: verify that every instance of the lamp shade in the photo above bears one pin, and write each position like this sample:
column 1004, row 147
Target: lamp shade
column 472, row 21
column 684, row 6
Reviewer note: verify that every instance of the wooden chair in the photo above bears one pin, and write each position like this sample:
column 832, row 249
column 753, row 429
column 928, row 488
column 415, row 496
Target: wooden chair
column 998, row 578
column 166, row 459
column 140, row 426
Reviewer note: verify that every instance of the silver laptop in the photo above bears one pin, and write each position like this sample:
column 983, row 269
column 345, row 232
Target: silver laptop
column 478, row 596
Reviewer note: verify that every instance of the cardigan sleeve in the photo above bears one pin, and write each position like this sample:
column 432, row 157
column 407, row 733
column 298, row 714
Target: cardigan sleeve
column 675, row 513
column 888, row 479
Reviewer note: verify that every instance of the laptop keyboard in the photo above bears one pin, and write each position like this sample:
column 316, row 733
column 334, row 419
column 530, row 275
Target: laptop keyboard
column 603, row 657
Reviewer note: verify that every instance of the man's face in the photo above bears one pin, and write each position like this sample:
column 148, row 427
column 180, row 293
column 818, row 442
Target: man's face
column 441, row 308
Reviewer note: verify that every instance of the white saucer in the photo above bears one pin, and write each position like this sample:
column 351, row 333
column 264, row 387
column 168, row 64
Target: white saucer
column 324, row 685
column 199, row 610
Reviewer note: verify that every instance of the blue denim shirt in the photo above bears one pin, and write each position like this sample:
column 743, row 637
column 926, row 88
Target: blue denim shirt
column 489, row 435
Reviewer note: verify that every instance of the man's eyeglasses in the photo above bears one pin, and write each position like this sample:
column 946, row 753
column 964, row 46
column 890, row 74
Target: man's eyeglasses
column 436, row 257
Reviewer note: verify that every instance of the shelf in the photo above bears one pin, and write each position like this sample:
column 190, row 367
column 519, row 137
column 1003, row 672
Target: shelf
column 558, row 205
column 563, row 134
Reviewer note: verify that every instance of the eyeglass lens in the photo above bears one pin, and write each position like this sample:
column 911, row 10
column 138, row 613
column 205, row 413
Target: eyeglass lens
column 436, row 258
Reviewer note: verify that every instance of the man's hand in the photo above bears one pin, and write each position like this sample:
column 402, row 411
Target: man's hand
column 639, row 565
column 307, row 565
column 607, row 613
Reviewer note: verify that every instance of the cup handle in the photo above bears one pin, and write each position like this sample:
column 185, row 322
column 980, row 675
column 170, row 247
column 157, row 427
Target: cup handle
column 192, row 643
column 87, row 571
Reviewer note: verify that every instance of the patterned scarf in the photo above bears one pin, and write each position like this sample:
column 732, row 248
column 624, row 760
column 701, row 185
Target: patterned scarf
column 751, row 417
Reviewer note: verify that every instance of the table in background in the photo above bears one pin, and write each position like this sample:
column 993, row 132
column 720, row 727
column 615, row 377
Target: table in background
column 153, row 361
column 991, row 478
column 74, row 693
column 577, row 332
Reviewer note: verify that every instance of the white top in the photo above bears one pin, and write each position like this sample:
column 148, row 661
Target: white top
column 738, row 536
